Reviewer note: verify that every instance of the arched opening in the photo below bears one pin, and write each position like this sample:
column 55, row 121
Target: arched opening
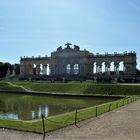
column 121, row 67
column 103, row 68
column 76, row 69
column 112, row 68
column 41, row 69
column 98, row 68
column 48, row 69
column 94, row 68
column 68, row 68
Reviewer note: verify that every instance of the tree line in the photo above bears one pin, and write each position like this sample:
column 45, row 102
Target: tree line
column 5, row 66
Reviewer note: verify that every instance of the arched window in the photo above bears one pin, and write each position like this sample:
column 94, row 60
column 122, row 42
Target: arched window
column 103, row 67
column 76, row 69
column 94, row 68
column 121, row 66
column 68, row 67
column 112, row 66
column 41, row 69
column 48, row 69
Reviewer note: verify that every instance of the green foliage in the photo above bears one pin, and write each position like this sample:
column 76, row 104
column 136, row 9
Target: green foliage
column 3, row 69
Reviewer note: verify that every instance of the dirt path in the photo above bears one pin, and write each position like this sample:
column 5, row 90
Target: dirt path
column 14, row 85
column 120, row 124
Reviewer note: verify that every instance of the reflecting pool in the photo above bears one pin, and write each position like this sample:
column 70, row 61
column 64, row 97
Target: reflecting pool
column 29, row 107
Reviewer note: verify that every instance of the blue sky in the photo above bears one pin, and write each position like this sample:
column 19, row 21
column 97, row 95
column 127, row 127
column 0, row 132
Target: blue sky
column 38, row 27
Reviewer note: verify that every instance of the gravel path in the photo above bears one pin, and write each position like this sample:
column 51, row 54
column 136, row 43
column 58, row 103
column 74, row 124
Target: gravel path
column 14, row 85
column 120, row 124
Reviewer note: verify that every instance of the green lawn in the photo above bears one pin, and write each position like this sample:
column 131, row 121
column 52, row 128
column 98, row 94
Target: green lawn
column 75, row 88
column 6, row 87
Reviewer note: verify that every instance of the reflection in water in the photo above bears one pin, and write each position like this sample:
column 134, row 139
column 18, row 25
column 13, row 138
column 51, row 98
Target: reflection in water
column 26, row 107
column 9, row 116
column 41, row 110
column 33, row 115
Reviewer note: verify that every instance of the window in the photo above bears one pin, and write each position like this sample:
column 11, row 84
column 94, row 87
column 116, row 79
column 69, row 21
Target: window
column 68, row 68
column 76, row 69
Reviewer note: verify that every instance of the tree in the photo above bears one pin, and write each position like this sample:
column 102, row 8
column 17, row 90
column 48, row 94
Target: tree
column 137, row 71
column 4, row 68
column 17, row 69
column 1, row 70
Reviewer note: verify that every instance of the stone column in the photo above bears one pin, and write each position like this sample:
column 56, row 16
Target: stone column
column 71, row 69
column 38, row 69
column 86, row 69
column 107, row 70
column 116, row 68
column 22, row 70
column 28, row 69
column 100, row 68
column 90, row 67
column 45, row 69
column 52, row 70
column 80, row 69
column 55, row 71
column 130, row 68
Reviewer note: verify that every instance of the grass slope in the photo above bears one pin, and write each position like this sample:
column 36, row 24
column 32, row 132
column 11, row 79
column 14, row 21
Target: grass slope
column 82, row 88
column 74, row 88
column 6, row 87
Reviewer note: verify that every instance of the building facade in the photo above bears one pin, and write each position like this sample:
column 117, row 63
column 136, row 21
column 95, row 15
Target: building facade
column 71, row 62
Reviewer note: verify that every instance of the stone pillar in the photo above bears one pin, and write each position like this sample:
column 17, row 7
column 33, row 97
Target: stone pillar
column 116, row 68
column 107, row 70
column 86, row 69
column 61, row 69
column 130, row 68
column 22, row 70
column 28, row 69
column 72, row 69
column 45, row 69
column 52, row 69
column 55, row 70
column 100, row 68
column 90, row 67
column 83, row 69
column 80, row 69
column 64, row 69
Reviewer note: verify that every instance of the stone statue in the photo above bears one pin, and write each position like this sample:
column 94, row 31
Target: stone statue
column 68, row 45
column 8, row 74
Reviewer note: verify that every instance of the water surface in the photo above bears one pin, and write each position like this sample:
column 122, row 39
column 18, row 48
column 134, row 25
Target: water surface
column 29, row 107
